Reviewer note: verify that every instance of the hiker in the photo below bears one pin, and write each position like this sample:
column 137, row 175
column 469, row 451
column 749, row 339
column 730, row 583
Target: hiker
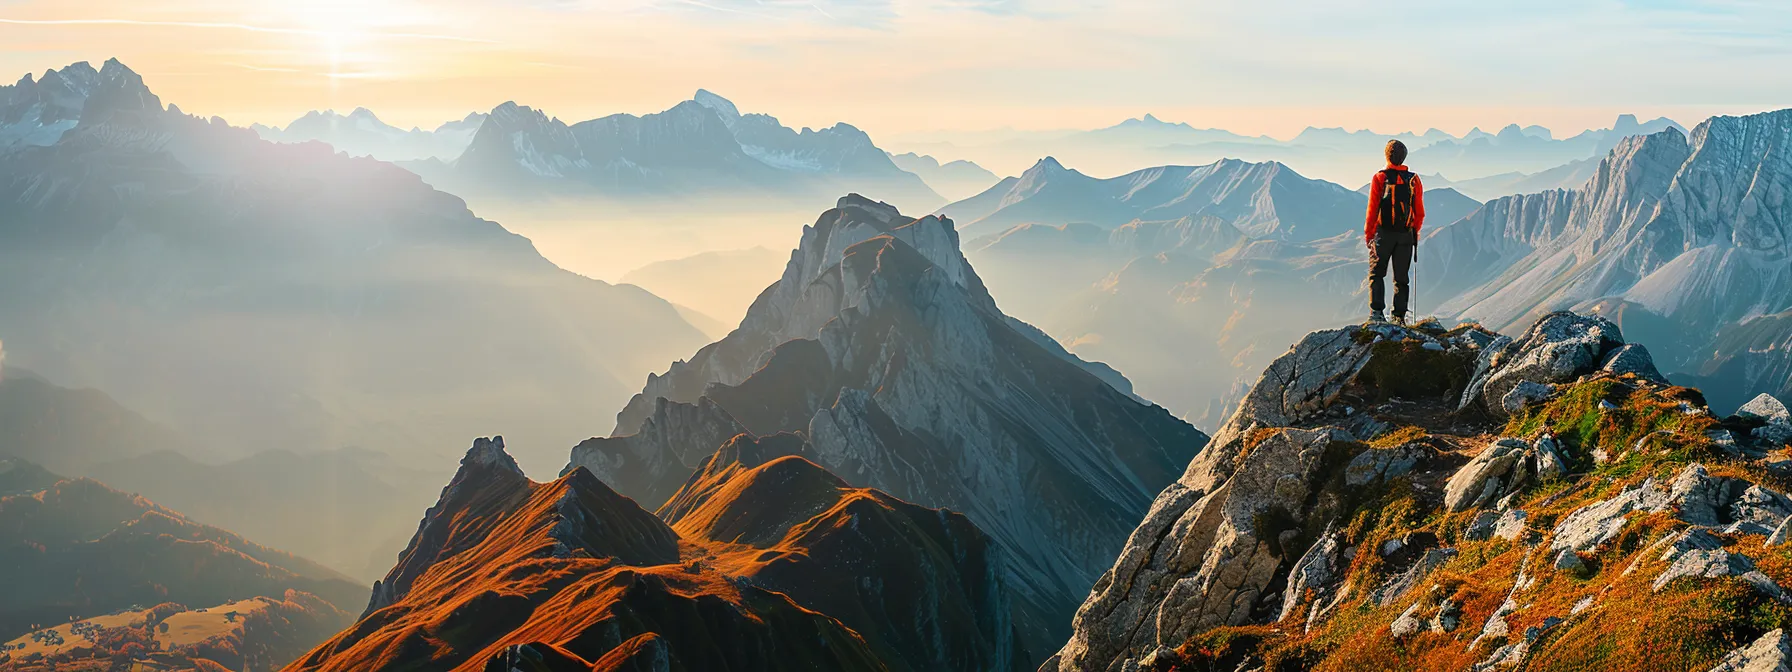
column 1396, row 213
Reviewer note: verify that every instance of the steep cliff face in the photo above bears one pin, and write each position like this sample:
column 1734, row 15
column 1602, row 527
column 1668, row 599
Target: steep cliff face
column 763, row 561
column 1389, row 497
column 1691, row 228
column 881, row 345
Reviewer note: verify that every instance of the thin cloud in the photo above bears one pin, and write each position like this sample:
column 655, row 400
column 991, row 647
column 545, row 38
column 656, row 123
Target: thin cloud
column 206, row 25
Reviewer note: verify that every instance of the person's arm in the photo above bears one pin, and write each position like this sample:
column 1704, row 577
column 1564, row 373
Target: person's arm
column 1418, row 206
column 1375, row 188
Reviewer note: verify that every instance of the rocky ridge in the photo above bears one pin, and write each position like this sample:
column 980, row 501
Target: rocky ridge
column 1459, row 500
column 764, row 560
column 882, row 348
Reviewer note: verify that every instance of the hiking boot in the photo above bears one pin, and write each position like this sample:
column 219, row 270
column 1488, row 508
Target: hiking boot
column 1375, row 317
column 1400, row 320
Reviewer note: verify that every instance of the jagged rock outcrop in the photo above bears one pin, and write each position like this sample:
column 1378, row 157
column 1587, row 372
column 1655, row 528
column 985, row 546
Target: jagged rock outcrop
column 882, row 346
column 1226, row 532
column 1540, row 521
column 1559, row 348
column 1771, row 653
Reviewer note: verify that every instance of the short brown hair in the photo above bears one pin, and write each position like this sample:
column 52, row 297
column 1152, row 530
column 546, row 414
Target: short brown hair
column 1396, row 152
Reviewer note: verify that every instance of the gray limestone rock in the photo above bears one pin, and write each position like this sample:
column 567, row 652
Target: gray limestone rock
column 1376, row 466
column 1407, row 623
column 1633, row 358
column 1316, row 571
column 1481, row 528
column 1767, row 408
column 1599, row 522
column 1772, row 652
column 1524, row 394
column 1486, row 476
column 1718, row 563
column 1569, row 561
column 1559, row 348
column 1198, row 560
column 1510, row 525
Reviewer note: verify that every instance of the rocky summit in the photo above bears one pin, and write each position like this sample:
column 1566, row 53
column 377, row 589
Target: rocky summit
column 882, row 348
column 1454, row 499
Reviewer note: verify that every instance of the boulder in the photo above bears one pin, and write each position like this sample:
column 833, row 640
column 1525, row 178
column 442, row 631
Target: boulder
column 1316, row 572
column 1524, row 394
column 1766, row 408
column 1481, row 528
column 1485, row 477
column 1594, row 524
column 1633, row 358
column 1378, row 466
column 1702, row 499
column 1718, row 563
column 1407, row 623
column 1559, row 348
column 1510, row 524
column 1448, row 618
column 1771, row 653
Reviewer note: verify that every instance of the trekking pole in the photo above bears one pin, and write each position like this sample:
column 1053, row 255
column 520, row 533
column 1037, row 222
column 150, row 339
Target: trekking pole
column 1415, row 275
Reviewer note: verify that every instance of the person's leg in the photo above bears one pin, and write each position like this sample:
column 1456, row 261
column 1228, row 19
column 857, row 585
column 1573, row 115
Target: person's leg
column 1378, row 273
column 1402, row 261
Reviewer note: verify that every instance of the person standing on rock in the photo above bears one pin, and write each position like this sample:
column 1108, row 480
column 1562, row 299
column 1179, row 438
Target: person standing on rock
column 1396, row 213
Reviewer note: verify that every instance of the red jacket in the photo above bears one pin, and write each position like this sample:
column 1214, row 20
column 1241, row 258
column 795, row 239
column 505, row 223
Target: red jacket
column 1377, row 186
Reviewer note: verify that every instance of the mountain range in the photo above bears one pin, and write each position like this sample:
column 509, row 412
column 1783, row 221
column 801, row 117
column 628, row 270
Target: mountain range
column 1260, row 200
column 1678, row 232
column 1333, row 154
column 953, row 179
column 261, row 296
column 361, row 133
column 701, row 147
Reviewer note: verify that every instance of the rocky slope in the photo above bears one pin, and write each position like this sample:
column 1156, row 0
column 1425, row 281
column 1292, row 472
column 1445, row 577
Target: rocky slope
column 1687, row 229
column 702, row 146
column 1391, row 498
column 881, row 345
column 763, row 561
column 285, row 296
column 79, row 549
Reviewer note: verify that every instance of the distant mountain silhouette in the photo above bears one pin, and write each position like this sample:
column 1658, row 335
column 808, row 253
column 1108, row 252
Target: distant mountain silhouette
column 703, row 146
column 257, row 295
column 361, row 133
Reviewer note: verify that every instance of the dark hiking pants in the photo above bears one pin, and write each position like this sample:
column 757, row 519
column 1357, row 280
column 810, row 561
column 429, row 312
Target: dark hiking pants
column 1396, row 251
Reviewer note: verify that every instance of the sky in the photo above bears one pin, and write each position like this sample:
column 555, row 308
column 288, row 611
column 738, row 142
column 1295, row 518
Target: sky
column 919, row 69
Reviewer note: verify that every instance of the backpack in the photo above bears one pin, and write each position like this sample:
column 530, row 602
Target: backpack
column 1396, row 201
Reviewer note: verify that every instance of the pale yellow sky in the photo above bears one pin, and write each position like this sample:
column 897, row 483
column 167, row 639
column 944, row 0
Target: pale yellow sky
column 905, row 68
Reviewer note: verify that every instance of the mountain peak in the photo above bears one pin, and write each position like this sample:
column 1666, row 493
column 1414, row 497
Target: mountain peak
column 721, row 105
column 490, row 453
